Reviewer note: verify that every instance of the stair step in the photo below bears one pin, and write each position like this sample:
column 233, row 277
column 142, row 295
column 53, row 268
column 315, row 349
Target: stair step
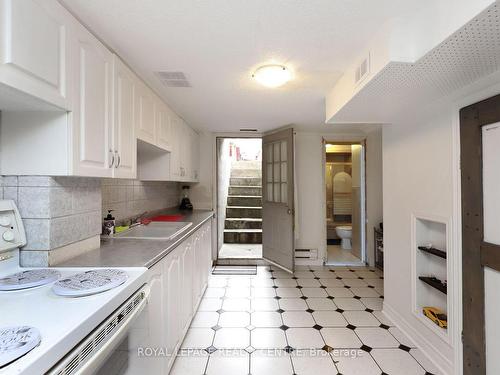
column 246, row 172
column 245, row 181
column 243, row 236
column 242, row 211
column 245, row 190
column 243, row 223
column 242, row 200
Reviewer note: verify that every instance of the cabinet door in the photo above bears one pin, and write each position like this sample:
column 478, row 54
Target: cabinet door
column 173, row 307
column 146, row 129
column 124, row 142
column 185, row 152
column 187, row 283
column 195, row 156
column 34, row 49
column 93, row 153
column 175, row 166
column 163, row 126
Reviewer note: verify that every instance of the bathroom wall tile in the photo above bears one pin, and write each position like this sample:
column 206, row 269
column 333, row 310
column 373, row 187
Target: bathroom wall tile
column 9, row 181
column 86, row 199
column 61, row 203
column 10, row 192
column 41, row 181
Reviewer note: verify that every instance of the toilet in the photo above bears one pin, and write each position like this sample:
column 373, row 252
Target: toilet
column 345, row 233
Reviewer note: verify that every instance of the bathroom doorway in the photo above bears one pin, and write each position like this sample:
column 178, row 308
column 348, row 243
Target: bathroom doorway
column 345, row 195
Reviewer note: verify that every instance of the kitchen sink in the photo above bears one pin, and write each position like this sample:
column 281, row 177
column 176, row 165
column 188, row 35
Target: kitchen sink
column 155, row 231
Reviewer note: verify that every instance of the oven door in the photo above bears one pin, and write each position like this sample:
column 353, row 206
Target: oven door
column 93, row 354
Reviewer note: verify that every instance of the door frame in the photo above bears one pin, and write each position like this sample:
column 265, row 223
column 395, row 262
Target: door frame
column 216, row 138
column 476, row 254
column 364, row 214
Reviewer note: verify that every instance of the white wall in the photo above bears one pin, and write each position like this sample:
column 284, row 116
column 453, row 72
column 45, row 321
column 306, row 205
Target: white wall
column 202, row 193
column 310, row 189
column 374, row 199
column 223, row 177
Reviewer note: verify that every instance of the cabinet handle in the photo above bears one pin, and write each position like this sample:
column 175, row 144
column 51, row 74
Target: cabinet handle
column 118, row 159
column 112, row 159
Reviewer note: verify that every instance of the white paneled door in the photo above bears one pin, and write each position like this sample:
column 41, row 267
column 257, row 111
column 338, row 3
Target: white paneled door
column 278, row 244
column 491, row 209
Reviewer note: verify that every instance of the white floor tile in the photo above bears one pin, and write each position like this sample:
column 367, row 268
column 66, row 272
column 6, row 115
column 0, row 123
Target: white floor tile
column 314, row 292
column 349, row 304
column 222, row 363
column 308, row 283
column 263, row 292
column 321, row 304
column 214, row 292
column 361, row 319
column 401, row 337
column 282, row 275
column 210, row 304
column 236, row 304
column 382, row 317
column 329, row 319
column 332, row 283
column 239, row 282
column 288, row 292
column 285, row 283
column 205, row 319
column 341, row 338
column 326, row 274
column 376, row 337
column 232, row 338
column 268, row 338
column 288, row 304
column 234, row 319
column 266, row 319
column 373, row 303
column 298, row 319
column 198, row 338
column 355, row 283
column 304, row 275
column 192, row 365
column 397, row 361
column 367, row 274
column 364, row 292
column 238, row 292
column 346, row 274
column 264, row 304
column 314, row 365
column 375, row 282
column 262, row 282
column 339, row 292
column 265, row 362
column 304, row 338
column 362, row 364
column 217, row 282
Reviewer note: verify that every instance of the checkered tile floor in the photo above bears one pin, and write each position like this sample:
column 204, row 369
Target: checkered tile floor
column 320, row 320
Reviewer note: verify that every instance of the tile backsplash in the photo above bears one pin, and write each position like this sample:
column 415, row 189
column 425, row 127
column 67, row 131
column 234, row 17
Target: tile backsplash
column 129, row 198
column 65, row 213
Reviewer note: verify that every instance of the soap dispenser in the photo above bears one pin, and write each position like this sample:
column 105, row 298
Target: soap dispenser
column 108, row 225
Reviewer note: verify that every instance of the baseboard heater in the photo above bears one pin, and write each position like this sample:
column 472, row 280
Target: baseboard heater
column 306, row 253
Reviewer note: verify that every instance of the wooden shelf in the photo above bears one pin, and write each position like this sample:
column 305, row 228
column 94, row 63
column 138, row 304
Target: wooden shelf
column 433, row 251
column 435, row 284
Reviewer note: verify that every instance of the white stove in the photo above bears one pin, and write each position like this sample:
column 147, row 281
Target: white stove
column 63, row 308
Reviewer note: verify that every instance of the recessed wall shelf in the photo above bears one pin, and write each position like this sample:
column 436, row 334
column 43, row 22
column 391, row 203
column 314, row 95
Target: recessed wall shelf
column 433, row 282
column 434, row 251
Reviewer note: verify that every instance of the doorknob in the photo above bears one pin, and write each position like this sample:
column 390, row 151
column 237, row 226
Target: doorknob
column 289, row 211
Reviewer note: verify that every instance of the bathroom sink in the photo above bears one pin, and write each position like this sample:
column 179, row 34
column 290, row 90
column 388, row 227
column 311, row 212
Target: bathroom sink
column 155, row 231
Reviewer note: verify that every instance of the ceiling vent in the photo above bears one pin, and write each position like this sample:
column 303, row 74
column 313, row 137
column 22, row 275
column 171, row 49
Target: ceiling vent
column 247, row 130
column 173, row 79
column 362, row 70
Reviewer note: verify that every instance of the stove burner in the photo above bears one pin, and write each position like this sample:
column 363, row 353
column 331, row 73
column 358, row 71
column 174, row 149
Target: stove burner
column 89, row 282
column 29, row 279
column 16, row 342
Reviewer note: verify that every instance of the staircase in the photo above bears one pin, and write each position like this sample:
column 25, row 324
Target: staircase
column 243, row 223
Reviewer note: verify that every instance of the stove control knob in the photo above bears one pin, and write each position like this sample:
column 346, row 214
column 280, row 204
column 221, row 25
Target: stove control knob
column 4, row 221
column 8, row 236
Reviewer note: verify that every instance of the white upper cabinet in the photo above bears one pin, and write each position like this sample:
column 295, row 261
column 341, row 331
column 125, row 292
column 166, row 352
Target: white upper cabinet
column 34, row 51
column 124, row 141
column 145, row 124
column 163, row 119
column 92, row 116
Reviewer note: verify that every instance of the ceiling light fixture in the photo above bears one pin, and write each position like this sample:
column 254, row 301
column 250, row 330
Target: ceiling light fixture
column 272, row 75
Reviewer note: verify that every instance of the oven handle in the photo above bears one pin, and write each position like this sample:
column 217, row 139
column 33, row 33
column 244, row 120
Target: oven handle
column 102, row 354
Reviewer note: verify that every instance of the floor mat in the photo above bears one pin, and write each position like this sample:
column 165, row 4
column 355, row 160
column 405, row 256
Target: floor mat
column 235, row 270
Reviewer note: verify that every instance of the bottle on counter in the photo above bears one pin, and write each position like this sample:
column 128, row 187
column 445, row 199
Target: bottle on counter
column 108, row 224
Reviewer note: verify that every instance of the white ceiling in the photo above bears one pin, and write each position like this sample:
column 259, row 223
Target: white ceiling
column 218, row 44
